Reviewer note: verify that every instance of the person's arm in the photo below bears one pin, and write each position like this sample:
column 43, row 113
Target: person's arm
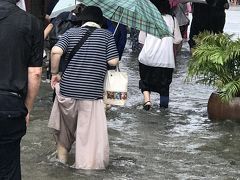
column 141, row 38
column 112, row 53
column 34, row 80
column 56, row 54
column 177, row 39
column 47, row 30
column 113, row 62
column 55, row 21
column 34, row 65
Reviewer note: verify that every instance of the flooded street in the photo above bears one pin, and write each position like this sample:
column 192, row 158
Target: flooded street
column 178, row 143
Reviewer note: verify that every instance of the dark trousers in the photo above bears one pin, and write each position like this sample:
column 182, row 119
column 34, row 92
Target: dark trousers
column 12, row 129
column 155, row 79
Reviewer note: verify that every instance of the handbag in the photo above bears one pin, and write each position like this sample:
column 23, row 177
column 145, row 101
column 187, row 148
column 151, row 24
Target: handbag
column 115, row 87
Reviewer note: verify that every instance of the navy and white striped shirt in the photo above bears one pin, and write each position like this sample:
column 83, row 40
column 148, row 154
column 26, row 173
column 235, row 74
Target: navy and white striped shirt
column 84, row 77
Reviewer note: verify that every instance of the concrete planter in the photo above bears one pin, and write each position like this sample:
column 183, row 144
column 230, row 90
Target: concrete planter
column 218, row 110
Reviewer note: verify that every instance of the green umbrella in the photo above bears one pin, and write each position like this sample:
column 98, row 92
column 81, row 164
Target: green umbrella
column 139, row 14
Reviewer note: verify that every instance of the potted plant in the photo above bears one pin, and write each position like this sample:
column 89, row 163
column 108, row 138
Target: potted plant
column 216, row 61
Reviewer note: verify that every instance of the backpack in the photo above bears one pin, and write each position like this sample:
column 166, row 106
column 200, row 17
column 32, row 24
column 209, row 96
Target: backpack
column 59, row 28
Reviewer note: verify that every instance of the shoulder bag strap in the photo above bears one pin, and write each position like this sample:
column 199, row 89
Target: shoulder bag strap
column 79, row 45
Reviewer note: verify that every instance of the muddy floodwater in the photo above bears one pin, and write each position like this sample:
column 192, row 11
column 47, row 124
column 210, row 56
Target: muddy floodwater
column 177, row 143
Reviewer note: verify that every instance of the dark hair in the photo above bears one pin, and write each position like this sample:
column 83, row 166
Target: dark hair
column 78, row 9
column 92, row 13
column 163, row 6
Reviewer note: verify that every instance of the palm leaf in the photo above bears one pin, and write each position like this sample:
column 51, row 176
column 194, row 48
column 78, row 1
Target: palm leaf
column 230, row 90
column 216, row 61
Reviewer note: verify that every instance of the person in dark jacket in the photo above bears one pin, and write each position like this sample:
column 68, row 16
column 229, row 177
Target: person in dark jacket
column 21, row 51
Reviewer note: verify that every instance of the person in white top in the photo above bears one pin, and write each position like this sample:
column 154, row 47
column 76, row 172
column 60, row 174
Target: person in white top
column 157, row 61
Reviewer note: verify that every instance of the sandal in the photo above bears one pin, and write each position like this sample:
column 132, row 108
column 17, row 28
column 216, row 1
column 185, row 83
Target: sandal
column 147, row 105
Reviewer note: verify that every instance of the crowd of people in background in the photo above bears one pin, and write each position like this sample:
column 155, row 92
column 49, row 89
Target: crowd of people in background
column 74, row 35
column 207, row 17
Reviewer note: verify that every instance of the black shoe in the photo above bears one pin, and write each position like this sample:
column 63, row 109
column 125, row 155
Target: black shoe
column 147, row 105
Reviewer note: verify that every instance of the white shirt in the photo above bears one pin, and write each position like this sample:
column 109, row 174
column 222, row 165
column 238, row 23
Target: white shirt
column 158, row 52
column 21, row 4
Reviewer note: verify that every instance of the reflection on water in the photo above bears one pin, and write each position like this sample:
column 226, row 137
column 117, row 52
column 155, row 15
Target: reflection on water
column 178, row 143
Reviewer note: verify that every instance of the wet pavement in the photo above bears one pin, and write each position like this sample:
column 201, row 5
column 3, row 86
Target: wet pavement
column 178, row 143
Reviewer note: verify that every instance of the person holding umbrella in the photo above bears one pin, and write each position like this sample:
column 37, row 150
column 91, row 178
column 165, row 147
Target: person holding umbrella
column 156, row 60
column 140, row 15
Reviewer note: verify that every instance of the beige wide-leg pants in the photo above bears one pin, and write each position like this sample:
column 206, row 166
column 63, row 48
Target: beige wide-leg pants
column 83, row 121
